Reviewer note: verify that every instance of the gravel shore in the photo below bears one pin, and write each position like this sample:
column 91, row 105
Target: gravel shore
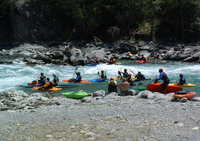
column 111, row 118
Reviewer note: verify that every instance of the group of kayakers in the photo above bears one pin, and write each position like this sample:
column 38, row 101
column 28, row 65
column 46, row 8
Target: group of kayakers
column 127, row 79
column 164, row 77
column 44, row 82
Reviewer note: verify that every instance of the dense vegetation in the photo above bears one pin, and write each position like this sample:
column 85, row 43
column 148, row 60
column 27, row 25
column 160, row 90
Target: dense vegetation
column 172, row 20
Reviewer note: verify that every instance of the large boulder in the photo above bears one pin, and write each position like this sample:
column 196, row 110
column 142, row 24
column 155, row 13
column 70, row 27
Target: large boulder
column 146, row 94
column 145, row 53
column 125, row 47
column 56, row 55
column 77, row 57
column 100, row 53
column 132, row 92
column 100, row 93
column 193, row 57
column 14, row 100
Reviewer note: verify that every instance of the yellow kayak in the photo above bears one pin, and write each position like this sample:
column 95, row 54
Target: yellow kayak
column 52, row 89
column 186, row 85
column 121, row 78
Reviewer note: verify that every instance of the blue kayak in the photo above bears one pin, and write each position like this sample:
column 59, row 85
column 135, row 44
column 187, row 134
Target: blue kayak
column 98, row 80
column 58, row 86
column 30, row 86
column 91, row 64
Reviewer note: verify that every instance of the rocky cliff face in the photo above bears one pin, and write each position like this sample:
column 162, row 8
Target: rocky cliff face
column 31, row 21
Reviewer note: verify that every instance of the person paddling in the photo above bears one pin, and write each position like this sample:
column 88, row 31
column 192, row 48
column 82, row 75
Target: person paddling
column 78, row 77
column 162, row 76
column 42, row 79
column 140, row 77
column 181, row 79
column 125, row 74
column 48, row 85
column 143, row 58
column 102, row 75
column 55, row 80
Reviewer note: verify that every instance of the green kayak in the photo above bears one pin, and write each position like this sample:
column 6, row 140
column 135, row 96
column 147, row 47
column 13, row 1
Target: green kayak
column 76, row 95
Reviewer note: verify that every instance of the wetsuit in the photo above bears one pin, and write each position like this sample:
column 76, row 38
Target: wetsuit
column 140, row 76
column 182, row 80
column 163, row 76
column 42, row 80
column 125, row 74
column 103, row 76
column 78, row 78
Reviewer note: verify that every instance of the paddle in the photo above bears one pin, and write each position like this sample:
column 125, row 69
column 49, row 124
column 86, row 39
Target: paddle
column 132, row 72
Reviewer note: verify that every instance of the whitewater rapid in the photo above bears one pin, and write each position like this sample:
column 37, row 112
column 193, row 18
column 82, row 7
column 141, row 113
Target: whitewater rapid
column 13, row 75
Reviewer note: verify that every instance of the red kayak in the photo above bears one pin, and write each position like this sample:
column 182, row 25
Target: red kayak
column 33, row 83
column 188, row 95
column 82, row 81
column 141, row 61
column 156, row 87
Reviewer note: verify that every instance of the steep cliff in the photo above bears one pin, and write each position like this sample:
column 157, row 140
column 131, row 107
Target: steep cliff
column 31, row 21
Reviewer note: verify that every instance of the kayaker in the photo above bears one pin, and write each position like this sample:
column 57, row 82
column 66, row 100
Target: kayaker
column 139, row 76
column 143, row 59
column 102, row 75
column 78, row 77
column 42, row 79
column 55, row 80
column 48, row 85
column 181, row 79
column 163, row 76
column 125, row 73
column 112, row 86
column 124, row 88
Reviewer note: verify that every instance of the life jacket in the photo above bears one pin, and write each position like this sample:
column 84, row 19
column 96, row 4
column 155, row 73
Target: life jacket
column 48, row 85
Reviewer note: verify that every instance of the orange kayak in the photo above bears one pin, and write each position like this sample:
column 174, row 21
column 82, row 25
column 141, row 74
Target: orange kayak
column 156, row 87
column 188, row 95
column 52, row 89
column 82, row 81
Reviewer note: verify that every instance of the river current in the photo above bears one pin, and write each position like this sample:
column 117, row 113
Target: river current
column 13, row 75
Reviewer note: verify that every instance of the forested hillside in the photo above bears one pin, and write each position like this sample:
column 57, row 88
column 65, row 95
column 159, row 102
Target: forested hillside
column 109, row 20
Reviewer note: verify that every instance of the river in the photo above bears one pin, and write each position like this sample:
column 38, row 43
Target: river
column 13, row 75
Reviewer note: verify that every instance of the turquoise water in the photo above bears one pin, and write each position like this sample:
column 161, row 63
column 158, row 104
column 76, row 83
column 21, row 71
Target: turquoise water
column 11, row 76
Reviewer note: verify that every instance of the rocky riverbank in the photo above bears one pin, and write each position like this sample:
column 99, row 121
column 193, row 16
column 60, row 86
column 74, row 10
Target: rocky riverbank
column 145, row 116
column 82, row 53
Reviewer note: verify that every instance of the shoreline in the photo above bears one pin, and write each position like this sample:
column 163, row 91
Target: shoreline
column 75, row 54
column 105, row 118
